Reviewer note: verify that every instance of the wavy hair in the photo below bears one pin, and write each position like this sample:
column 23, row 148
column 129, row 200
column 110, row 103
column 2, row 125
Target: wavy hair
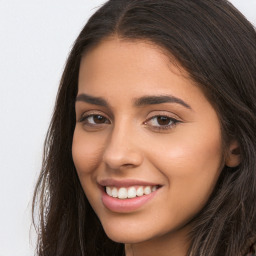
column 216, row 45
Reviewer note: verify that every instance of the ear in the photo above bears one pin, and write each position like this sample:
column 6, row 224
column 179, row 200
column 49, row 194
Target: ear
column 233, row 157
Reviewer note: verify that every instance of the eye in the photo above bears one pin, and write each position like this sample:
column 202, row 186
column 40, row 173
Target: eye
column 161, row 122
column 97, row 119
column 94, row 120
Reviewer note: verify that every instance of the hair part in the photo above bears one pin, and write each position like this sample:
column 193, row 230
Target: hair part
column 216, row 45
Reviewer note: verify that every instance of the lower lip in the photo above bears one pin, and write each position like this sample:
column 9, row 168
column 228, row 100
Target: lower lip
column 125, row 205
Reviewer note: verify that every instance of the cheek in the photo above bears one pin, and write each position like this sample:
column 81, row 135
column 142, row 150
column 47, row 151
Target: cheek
column 188, row 151
column 86, row 152
column 191, row 164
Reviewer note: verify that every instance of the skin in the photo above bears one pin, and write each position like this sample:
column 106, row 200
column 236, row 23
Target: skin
column 129, row 142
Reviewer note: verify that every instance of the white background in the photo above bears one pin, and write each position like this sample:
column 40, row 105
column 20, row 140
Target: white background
column 35, row 39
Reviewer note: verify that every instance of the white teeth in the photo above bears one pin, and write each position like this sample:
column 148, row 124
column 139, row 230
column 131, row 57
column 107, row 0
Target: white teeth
column 109, row 191
column 114, row 192
column 130, row 192
column 122, row 193
column 140, row 191
column 147, row 190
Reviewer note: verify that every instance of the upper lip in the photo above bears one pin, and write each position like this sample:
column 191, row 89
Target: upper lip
column 125, row 183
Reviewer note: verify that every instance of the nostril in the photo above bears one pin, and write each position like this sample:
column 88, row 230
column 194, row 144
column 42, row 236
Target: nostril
column 118, row 155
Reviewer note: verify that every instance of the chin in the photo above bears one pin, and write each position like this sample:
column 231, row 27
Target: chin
column 126, row 236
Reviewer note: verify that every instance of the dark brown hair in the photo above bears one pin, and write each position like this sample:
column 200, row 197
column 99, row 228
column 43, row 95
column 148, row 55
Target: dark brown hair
column 217, row 46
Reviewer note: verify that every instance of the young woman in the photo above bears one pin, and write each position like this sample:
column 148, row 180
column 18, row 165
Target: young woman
column 151, row 149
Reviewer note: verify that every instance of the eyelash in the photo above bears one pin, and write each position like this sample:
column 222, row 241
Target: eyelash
column 163, row 127
column 84, row 119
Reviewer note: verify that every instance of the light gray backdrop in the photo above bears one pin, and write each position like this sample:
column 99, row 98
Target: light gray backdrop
column 35, row 38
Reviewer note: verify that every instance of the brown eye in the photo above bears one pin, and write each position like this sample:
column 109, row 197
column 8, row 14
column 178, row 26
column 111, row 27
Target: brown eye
column 163, row 120
column 98, row 119
column 94, row 120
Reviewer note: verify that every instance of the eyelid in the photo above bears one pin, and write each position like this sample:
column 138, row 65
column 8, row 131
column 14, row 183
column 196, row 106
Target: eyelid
column 168, row 114
column 90, row 113
column 171, row 118
column 161, row 128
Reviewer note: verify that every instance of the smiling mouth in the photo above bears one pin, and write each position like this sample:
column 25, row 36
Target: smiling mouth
column 130, row 192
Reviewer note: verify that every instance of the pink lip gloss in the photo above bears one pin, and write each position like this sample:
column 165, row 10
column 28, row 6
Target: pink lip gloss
column 125, row 205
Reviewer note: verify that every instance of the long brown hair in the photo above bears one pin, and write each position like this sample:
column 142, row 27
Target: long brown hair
column 217, row 46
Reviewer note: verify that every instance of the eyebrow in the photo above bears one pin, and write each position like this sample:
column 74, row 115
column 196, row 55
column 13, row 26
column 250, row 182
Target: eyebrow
column 143, row 101
column 92, row 100
column 151, row 100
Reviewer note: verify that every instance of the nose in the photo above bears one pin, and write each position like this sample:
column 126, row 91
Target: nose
column 122, row 150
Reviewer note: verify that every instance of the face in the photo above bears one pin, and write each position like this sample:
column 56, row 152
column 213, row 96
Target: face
column 147, row 143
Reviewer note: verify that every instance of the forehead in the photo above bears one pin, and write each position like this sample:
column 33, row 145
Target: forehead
column 125, row 56
column 124, row 69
